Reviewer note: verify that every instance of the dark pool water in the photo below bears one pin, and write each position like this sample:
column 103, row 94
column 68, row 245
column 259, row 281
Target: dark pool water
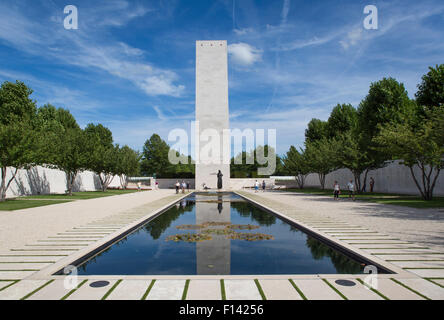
column 147, row 251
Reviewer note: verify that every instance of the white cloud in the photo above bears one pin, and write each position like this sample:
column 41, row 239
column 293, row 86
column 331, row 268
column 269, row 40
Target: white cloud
column 352, row 38
column 82, row 48
column 243, row 54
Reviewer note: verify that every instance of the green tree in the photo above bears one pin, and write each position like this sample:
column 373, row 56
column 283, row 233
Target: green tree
column 17, row 131
column 387, row 102
column 103, row 154
column 155, row 158
column 431, row 89
column 418, row 144
column 316, row 130
column 296, row 163
column 321, row 156
column 63, row 143
column 343, row 118
column 127, row 164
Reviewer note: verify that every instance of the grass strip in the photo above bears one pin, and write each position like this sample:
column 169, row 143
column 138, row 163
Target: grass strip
column 297, row 289
column 112, row 289
column 148, row 290
column 407, row 287
column 258, row 285
column 185, row 289
column 222, row 289
column 334, row 289
column 11, row 284
column 39, row 288
column 373, row 289
column 73, row 290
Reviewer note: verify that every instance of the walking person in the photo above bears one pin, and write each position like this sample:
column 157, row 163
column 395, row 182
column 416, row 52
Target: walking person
column 372, row 184
column 351, row 190
column 177, row 186
column 263, row 185
column 188, row 186
column 256, row 186
column 336, row 191
column 139, row 186
column 184, row 185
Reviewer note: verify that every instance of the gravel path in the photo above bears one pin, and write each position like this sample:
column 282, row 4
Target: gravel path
column 423, row 226
column 21, row 227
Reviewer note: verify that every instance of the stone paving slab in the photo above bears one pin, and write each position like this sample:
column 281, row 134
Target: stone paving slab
column 396, row 251
column 428, row 273
column 421, row 257
column 356, row 292
column 15, row 275
column 425, row 287
column 29, row 259
column 279, row 290
column 394, row 291
column 54, row 291
column 241, row 290
column 389, row 246
column 23, row 266
column 419, row 264
column 129, row 290
column 375, row 241
column 21, row 289
column 316, row 289
column 167, row 290
column 204, row 290
column 86, row 292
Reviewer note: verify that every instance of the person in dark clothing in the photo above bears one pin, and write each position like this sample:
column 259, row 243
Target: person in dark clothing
column 219, row 180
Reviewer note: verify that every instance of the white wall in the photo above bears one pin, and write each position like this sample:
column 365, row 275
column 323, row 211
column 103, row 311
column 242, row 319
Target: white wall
column 394, row 178
column 40, row 180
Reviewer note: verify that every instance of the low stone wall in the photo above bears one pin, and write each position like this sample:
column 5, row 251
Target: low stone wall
column 170, row 183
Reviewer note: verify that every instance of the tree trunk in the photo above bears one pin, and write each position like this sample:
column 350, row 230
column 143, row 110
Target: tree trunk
column 322, row 180
column 3, row 185
column 70, row 179
column 365, row 182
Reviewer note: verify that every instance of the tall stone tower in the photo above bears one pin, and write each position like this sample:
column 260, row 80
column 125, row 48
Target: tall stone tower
column 212, row 115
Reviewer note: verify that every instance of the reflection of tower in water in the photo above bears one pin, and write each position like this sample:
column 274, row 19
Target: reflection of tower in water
column 213, row 256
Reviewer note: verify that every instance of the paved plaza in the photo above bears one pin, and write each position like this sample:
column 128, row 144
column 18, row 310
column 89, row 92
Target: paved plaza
column 37, row 242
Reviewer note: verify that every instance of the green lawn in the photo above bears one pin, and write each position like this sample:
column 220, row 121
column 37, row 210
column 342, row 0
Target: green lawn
column 14, row 204
column 81, row 195
column 384, row 198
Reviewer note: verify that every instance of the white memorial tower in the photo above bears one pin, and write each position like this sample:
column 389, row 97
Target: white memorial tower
column 212, row 116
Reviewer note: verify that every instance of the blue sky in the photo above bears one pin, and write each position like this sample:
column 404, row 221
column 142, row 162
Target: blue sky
column 130, row 65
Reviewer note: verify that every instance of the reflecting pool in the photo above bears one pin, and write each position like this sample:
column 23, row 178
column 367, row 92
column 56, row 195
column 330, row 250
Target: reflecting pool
column 218, row 234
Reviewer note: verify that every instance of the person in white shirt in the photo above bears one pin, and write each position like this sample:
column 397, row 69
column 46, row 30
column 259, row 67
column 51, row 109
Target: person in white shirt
column 336, row 190
column 351, row 190
column 177, row 186
column 256, row 186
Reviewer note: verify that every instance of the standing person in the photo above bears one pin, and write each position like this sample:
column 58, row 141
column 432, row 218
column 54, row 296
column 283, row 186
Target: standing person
column 336, row 190
column 188, row 186
column 219, row 180
column 263, row 185
column 351, row 190
column 177, row 186
column 372, row 184
column 256, row 186
column 139, row 186
column 184, row 185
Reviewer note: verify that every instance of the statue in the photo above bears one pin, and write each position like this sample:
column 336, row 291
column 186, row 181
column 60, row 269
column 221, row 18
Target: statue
column 219, row 180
